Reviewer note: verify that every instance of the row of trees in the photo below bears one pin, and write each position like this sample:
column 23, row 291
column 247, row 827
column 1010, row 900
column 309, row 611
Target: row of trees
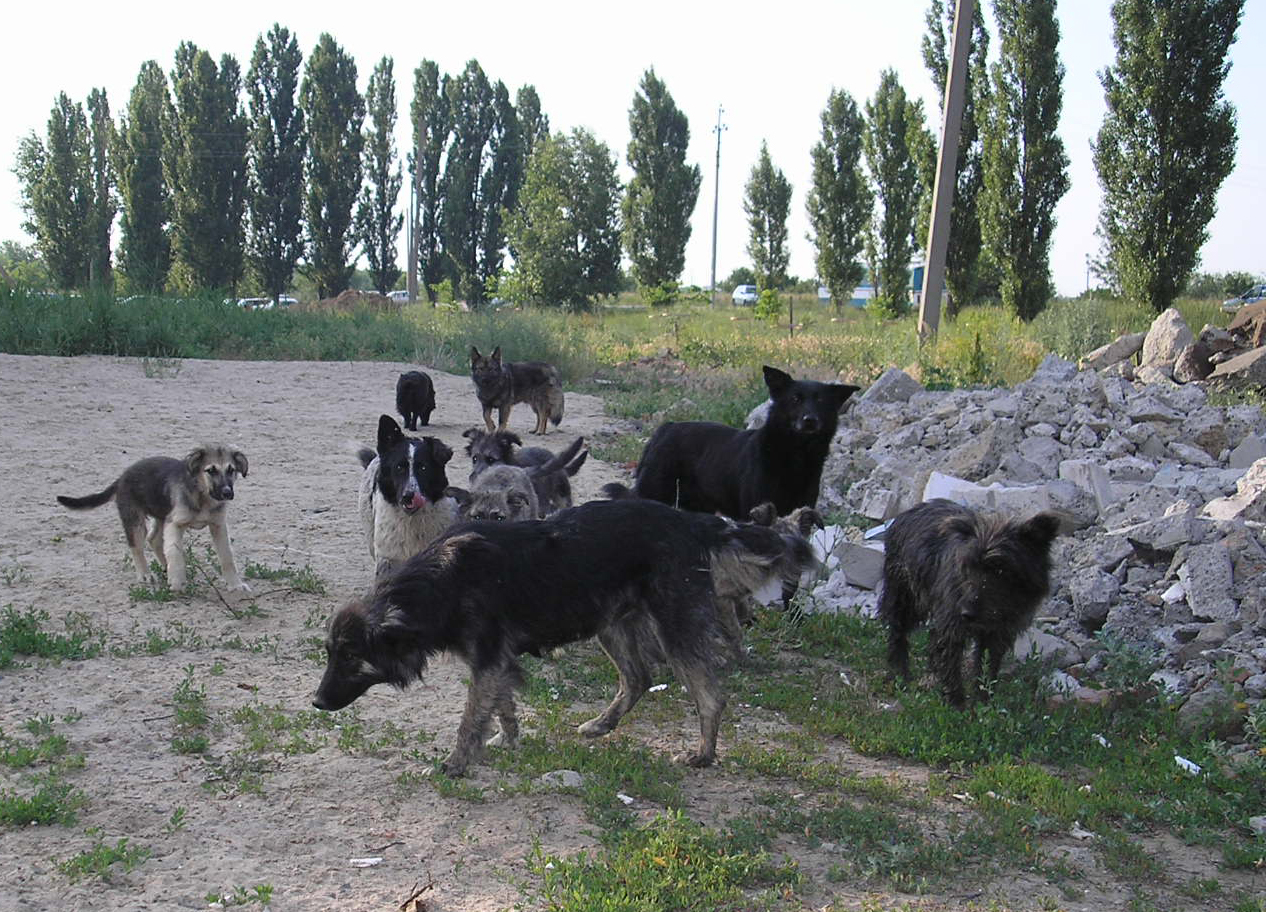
column 210, row 188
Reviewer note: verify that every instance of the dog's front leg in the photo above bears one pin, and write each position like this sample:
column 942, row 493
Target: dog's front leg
column 174, row 548
column 220, row 536
column 508, row 737
column 488, row 419
column 503, row 417
column 482, row 699
column 709, row 703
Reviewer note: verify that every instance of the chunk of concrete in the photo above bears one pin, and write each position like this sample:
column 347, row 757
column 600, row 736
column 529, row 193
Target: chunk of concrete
column 1248, row 368
column 1206, row 575
column 1091, row 478
column 863, row 565
column 1247, row 452
column 1126, row 346
column 893, row 385
column 1168, row 335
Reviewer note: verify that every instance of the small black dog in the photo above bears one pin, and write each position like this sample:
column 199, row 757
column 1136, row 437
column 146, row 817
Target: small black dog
column 500, row 384
column 970, row 577
column 415, row 399
column 709, row 467
column 636, row 574
column 550, row 473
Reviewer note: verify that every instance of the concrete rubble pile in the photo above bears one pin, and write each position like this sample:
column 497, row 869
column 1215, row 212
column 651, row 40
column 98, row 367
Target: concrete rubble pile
column 1165, row 495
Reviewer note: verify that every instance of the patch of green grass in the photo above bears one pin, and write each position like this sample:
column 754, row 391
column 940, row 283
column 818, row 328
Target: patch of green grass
column 47, row 747
column 192, row 719
column 239, row 772
column 671, row 864
column 99, row 861
column 298, row 579
column 49, row 799
column 14, row 575
column 23, row 634
column 260, row 894
column 277, row 728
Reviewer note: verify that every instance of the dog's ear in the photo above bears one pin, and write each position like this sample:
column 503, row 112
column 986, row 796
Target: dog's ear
column 807, row 519
column 776, row 381
column 389, row 433
column 763, row 514
column 1042, row 529
column 441, row 451
column 496, row 355
column 239, row 462
column 193, row 462
column 461, row 495
column 472, row 434
column 512, row 437
column 474, row 356
column 840, row 393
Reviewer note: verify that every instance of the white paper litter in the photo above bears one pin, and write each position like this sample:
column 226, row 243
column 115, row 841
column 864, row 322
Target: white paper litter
column 365, row 862
column 1187, row 766
column 624, row 798
column 657, row 688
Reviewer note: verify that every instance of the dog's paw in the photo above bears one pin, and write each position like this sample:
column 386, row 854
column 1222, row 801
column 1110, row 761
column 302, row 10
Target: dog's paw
column 695, row 760
column 240, row 586
column 501, row 739
column 595, row 728
column 453, row 767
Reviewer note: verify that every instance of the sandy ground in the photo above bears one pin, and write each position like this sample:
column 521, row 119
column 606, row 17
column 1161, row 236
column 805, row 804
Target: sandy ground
column 70, row 426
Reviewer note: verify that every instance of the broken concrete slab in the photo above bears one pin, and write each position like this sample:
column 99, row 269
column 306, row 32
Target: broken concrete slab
column 1091, row 478
column 1126, row 346
column 863, row 565
column 1206, row 576
column 1249, row 368
column 1247, row 452
column 1168, row 335
column 893, row 385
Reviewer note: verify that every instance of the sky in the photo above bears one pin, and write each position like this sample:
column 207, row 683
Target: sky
column 770, row 67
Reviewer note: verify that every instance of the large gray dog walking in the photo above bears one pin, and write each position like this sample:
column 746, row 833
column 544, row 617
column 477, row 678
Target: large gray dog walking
column 178, row 494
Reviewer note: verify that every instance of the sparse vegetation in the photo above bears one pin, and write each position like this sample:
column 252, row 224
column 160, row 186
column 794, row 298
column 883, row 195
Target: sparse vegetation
column 99, row 861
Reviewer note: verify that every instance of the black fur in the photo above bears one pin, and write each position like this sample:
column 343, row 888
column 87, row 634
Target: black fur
column 700, row 465
column 415, row 399
column 971, row 578
column 635, row 574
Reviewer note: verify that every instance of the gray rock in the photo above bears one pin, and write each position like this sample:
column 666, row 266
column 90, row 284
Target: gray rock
column 1206, row 576
column 1093, row 593
column 1149, row 407
column 1211, row 712
column 1258, row 825
column 1091, row 478
column 863, row 566
column 1255, row 686
column 1130, row 468
column 1168, row 335
column 1206, row 428
column 1055, row 369
column 1247, row 452
column 563, row 778
column 1249, row 501
column 1043, row 452
column 1126, row 346
column 1191, row 455
column 1050, row 648
column 1192, row 363
column 1248, row 368
column 893, row 385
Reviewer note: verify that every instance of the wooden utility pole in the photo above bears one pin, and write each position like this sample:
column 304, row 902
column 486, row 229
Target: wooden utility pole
column 946, row 171
column 412, row 237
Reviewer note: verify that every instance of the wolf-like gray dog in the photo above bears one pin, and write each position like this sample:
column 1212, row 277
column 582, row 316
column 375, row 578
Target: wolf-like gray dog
column 500, row 384
column 178, row 494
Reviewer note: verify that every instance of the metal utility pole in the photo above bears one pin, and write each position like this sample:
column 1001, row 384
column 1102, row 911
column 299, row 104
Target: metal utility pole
column 946, row 168
column 716, row 198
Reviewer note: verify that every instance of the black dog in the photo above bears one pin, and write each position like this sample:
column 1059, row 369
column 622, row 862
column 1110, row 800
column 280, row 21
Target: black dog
column 550, row 474
column 700, row 465
column 970, row 577
column 415, row 399
column 636, row 574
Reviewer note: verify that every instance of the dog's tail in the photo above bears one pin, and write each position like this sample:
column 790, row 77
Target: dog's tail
column 565, row 461
column 366, row 456
column 91, row 501
column 616, row 491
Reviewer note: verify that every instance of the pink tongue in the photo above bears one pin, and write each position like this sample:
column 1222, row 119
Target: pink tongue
column 417, row 501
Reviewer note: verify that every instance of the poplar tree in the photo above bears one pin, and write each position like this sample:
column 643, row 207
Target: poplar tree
column 499, row 187
column 767, row 201
column 333, row 112
column 1025, row 166
column 664, row 189
column 377, row 222
column 144, row 226
column 890, row 126
column 56, row 180
column 962, row 257
column 204, row 163
column 275, row 177
column 839, row 203
column 432, row 126
column 1167, row 141
column 104, row 201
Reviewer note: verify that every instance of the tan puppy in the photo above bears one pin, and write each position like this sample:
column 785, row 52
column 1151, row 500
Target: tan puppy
column 178, row 494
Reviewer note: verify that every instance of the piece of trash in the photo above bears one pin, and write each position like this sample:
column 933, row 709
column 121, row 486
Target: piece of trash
column 1103, row 742
column 963, row 797
column 657, row 688
column 845, row 680
column 1187, row 766
column 365, row 862
column 1175, row 593
column 623, row 797
column 1086, row 788
column 1077, row 832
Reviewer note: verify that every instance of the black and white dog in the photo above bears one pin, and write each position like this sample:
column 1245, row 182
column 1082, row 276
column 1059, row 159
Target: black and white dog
column 402, row 505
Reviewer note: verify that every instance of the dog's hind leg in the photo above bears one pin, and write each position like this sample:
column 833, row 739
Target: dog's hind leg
column 619, row 642
column 701, row 681
column 509, row 735
column 134, row 530
column 896, row 607
column 220, row 536
column 155, row 541
column 503, row 418
column 482, row 699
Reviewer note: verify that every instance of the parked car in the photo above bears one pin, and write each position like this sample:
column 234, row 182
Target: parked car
column 824, row 295
column 400, row 296
column 254, row 303
column 1252, row 296
column 745, row 294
